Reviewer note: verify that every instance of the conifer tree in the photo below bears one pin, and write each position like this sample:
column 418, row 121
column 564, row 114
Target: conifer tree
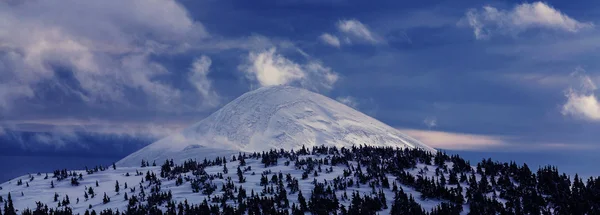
column 91, row 192
column 302, row 202
column 106, row 199
column 9, row 208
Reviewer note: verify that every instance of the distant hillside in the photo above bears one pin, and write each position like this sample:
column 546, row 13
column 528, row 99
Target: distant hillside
column 321, row 180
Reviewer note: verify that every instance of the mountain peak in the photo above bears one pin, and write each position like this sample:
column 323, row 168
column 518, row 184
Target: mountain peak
column 272, row 118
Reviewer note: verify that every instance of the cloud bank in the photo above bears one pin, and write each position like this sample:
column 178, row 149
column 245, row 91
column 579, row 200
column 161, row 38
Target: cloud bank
column 455, row 141
column 105, row 46
column 489, row 20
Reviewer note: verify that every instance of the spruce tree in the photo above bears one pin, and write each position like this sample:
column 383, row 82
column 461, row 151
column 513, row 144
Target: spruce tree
column 91, row 192
column 106, row 199
column 117, row 187
column 240, row 174
column 302, row 202
column 9, row 208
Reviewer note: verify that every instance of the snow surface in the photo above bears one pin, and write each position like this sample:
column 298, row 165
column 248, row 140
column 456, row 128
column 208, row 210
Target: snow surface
column 40, row 189
column 274, row 118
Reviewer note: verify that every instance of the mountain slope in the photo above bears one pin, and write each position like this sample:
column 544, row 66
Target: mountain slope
column 278, row 117
column 358, row 180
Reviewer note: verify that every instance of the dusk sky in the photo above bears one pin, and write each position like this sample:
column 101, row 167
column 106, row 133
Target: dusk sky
column 476, row 76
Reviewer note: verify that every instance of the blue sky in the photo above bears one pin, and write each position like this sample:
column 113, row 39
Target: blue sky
column 478, row 76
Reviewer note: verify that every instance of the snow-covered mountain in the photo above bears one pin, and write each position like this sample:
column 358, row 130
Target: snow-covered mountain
column 279, row 117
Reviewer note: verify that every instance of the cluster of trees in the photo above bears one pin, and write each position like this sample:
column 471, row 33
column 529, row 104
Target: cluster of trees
column 486, row 188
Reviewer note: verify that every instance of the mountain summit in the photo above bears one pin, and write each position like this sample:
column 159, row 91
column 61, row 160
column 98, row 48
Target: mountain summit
column 279, row 117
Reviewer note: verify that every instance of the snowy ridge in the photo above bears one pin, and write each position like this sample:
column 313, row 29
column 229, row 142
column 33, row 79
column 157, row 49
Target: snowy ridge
column 359, row 180
column 35, row 187
column 279, row 117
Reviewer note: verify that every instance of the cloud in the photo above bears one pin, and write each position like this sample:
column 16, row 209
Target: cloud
column 269, row 68
column 348, row 100
column 455, row 141
column 582, row 101
column 430, row 122
column 198, row 77
column 495, row 143
column 58, row 139
column 330, row 40
column 358, row 30
column 71, row 127
column 106, row 46
column 490, row 20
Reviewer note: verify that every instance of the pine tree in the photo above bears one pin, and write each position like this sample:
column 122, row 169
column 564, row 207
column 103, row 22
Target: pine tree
column 242, row 160
column 9, row 208
column 302, row 202
column 240, row 174
column 106, row 199
column 91, row 192
column 117, row 187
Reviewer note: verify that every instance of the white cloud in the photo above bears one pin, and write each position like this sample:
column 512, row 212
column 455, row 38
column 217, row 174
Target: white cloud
column 71, row 126
column 105, row 44
column 490, row 20
column 582, row 101
column 430, row 122
column 58, row 138
column 348, row 100
column 356, row 29
column 455, row 141
column 582, row 106
column 198, row 78
column 495, row 143
column 330, row 40
column 269, row 68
